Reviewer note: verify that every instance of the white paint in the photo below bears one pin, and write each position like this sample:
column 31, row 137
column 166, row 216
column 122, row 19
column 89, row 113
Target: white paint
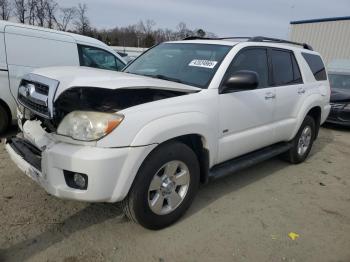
column 230, row 125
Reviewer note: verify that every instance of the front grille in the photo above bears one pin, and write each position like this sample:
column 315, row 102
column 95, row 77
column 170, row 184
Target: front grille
column 36, row 93
column 42, row 89
column 41, row 109
column 39, row 88
column 34, row 96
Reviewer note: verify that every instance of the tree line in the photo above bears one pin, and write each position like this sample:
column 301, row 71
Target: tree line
column 48, row 13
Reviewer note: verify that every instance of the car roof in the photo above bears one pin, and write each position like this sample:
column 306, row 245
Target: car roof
column 243, row 41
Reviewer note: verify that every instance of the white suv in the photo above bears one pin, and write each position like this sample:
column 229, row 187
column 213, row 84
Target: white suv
column 181, row 114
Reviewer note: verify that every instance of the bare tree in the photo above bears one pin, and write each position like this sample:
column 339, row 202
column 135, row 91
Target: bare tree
column 40, row 9
column 20, row 10
column 65, row 17
column 82, row 23
column 51, row 8
column 5, row 9
column 30, row 7
column 183, row 31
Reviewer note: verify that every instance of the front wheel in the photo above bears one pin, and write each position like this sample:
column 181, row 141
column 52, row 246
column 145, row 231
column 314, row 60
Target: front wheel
column 302, row 142
column 4, row 120
column 164, row 187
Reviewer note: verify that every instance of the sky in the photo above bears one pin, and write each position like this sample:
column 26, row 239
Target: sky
column 222, row 17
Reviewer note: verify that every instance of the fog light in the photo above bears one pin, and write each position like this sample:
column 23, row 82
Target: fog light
column 76, row 180
column 79, row 180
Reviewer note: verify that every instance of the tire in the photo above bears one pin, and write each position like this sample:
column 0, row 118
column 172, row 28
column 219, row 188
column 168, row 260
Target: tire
column 301, row 144
column 4, row 120
column 156, row 208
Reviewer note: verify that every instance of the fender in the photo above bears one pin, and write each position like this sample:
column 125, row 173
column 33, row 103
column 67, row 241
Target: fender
column 176, row 125
column 311, row 101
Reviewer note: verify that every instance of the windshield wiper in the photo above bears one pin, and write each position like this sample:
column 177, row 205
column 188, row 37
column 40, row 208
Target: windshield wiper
column 163, row 77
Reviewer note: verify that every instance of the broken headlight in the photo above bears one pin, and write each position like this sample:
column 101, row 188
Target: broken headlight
column 88, row 126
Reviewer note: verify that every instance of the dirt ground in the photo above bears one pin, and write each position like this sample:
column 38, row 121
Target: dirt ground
column 244, row 217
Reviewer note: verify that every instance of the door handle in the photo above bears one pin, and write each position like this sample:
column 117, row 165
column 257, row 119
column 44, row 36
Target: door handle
column 301, row 91
column 270, row 95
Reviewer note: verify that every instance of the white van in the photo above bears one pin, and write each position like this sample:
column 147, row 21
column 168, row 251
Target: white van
column 23, row 48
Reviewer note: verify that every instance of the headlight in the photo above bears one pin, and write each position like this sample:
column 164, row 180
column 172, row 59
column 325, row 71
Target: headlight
column 88, row 126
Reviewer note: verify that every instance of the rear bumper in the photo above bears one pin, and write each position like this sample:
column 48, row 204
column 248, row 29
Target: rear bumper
column 338, row 122
column 110, row 171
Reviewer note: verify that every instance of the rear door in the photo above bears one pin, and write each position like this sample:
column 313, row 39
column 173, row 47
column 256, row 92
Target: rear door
column 246, row 116
column 290, row 91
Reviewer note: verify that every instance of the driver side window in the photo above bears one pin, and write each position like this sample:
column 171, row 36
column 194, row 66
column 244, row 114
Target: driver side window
column 98, row 58
column 252, row 59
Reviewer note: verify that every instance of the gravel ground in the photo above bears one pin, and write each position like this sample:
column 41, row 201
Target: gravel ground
column 244, row 217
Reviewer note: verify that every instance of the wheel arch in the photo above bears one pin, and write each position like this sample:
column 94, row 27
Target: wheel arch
column 311, row 107
column 197, row 143
column 315, row 113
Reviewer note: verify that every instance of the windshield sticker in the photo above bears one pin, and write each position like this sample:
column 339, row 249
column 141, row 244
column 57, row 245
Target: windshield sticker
column 203, row 63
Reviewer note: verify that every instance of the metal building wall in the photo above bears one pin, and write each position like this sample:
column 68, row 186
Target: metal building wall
column 331, row 39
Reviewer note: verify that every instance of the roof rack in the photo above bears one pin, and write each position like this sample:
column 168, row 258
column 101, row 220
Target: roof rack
column 276, row 40
column 254, row 39
column 216, row 38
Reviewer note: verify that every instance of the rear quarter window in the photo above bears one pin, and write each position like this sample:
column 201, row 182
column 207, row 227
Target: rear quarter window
column 316, row 65
column 285, row 69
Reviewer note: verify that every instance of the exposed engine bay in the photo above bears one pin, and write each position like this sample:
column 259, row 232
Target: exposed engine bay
column 102, row 100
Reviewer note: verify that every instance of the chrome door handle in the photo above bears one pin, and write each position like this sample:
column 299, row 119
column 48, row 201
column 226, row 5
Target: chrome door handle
column 270, row 96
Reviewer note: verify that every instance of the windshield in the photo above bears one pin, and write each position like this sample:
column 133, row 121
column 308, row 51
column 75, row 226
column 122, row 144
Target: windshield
column 192, row 64
column 339, row 81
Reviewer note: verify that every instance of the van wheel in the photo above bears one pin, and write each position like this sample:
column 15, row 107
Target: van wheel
column 4, row 120
column 302, row 142
column 164, row 187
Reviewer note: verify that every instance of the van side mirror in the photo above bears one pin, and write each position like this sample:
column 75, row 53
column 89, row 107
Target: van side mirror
column 240, row 81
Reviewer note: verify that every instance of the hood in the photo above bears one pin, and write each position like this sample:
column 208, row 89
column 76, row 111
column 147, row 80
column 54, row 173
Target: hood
column 91, row 77
column 340, row 95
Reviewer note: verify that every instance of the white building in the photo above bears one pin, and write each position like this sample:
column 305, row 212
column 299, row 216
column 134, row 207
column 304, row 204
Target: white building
column 328, row 36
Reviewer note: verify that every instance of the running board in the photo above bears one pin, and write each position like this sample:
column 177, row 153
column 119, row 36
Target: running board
column 245, row 161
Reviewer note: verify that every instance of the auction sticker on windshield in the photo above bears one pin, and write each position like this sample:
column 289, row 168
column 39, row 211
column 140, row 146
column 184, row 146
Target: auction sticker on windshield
column 203, row 63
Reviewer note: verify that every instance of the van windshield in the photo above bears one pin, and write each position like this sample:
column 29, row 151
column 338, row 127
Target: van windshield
column 187, row 63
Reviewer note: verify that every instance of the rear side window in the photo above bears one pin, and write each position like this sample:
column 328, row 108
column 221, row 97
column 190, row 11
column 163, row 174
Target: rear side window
column 285, row 69
column 98, row 58
column 316, row 65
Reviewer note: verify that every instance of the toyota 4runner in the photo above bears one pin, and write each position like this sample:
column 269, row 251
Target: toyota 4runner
column 183, row 113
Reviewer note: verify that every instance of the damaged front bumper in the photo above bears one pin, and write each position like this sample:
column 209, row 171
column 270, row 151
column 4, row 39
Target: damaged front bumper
column 110, row 171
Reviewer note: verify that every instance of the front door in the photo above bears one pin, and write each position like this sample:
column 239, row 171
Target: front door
column 246, row 117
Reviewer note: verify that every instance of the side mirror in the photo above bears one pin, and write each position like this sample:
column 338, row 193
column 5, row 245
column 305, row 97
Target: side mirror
column 240, row 81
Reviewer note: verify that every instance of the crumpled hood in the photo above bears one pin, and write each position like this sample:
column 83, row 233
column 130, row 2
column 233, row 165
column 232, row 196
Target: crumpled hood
column 340, row 95
column 91, row 77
